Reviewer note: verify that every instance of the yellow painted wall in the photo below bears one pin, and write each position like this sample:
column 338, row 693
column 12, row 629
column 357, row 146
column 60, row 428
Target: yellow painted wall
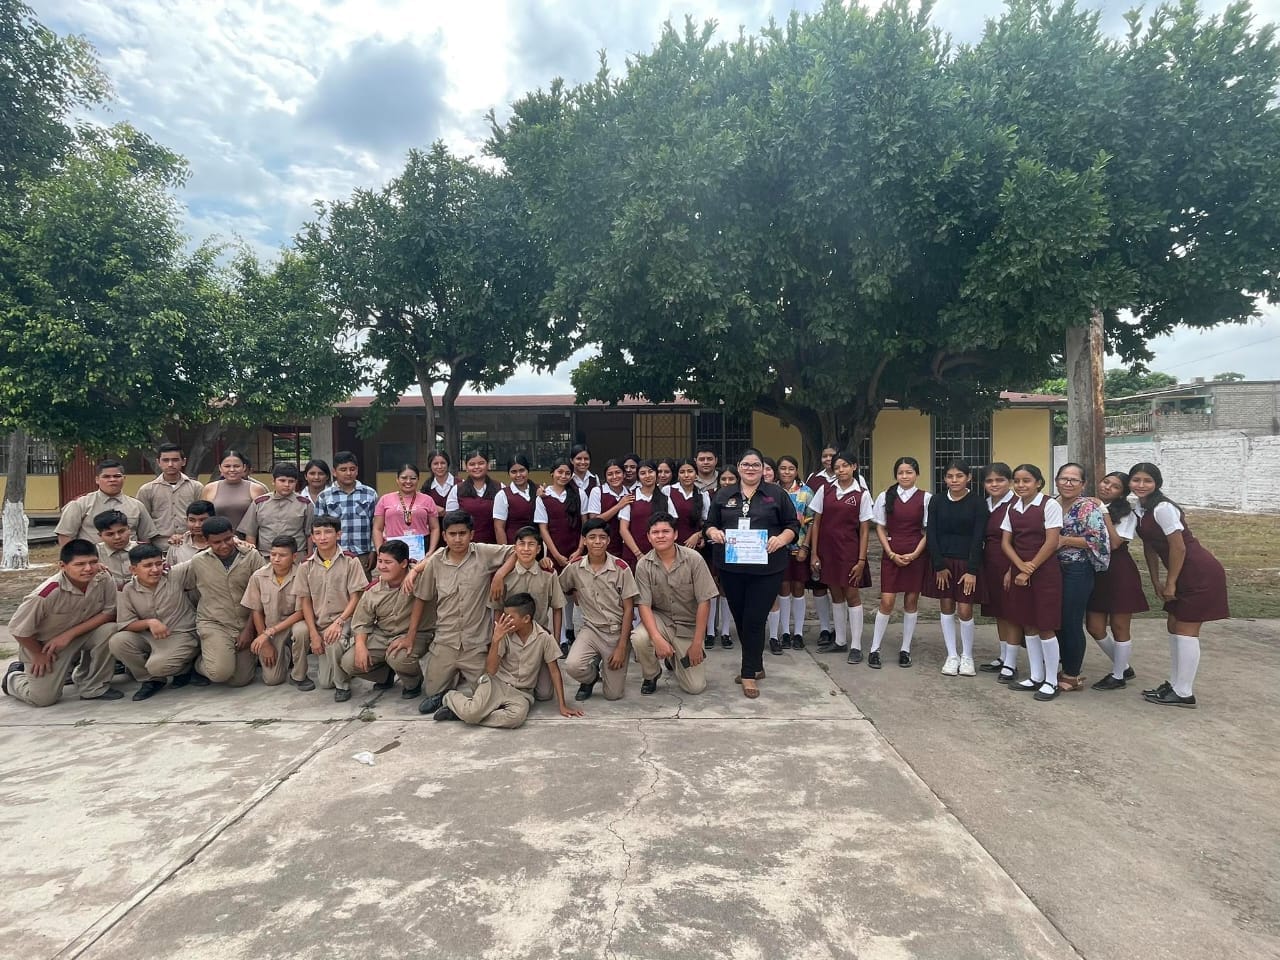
column 774, row 440
column 901, row 433
column 1022, row 436
column 42, row 494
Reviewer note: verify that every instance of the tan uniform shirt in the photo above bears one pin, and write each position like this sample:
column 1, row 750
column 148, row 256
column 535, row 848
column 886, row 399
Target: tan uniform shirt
column 77, row 517
column 168, row 603
column 167, row 502
column 388, row 609
column 276, row 516
column 521, row 660
column 182, row 552
column 329, row 588
column 599, row 594
column 460, row 593
column 542, row 585
column 275, row 600
column 675, row 593
column 56, row 605
column 221, row 588
column 116, row 563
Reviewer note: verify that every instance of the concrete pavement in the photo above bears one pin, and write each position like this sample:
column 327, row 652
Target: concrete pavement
column 235, row 823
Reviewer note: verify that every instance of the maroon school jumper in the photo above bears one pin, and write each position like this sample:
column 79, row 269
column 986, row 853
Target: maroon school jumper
column 840, row 537
column 481, row 510
column 1039, row 604
column 1202, row 583
column 519, row 511
column 609, row 500
column 682, row 507
column 904, row 529
column 641, row 511
column 441, row 500
column 1118, row 589
column 994, row 562
column 563, row 533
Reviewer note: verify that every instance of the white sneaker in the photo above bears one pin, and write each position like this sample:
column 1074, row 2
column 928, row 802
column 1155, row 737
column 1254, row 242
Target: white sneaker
column 966, row 667
column 951, row 667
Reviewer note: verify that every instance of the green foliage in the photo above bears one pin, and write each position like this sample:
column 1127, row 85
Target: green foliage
column 844, row 209
column 1228, row 376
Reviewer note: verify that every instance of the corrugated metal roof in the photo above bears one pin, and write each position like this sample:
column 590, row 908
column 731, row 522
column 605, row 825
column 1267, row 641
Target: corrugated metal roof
column 498, row 401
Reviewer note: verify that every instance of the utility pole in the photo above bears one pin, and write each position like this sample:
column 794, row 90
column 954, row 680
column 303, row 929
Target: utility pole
column 1086, row 426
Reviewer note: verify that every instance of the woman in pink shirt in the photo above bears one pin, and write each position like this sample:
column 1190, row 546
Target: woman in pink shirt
column 407, row 512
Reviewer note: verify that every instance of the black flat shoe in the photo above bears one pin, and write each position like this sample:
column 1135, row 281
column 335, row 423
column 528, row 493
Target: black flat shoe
column 709, row 643
column 584, row 691
column 341, row 696
column 388, row 683
column 826, row 646
column 649, row 686
column 1025, row 686
column 1007, row 675
column 198, row 679
column 16, row 666
column 1109, row 683
column 1163, row 688
column 1043, row 696
column 786, row 641
column 148, row 689
column 444, row 713
column 904, row 658
column 855, row 655
column 797, row 642
column 992, row 666
column 825, row 636
column 408, row 693
column 307, row 684
column 775, row 647
column 1171, row 699
column 1128, row 673
column 726, row 641
column 873, row 660
column 111, row 693
column 119, row 670
column 431, row 704
column 838, row 648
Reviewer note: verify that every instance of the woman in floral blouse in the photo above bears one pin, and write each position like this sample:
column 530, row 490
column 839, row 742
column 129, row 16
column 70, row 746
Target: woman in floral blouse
column 1083, row 549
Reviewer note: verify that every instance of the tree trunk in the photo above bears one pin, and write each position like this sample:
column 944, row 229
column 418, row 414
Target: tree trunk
column 1086, row 424
column 452, row 435
column 430, row 426
column 204, row 442
column 16, row 556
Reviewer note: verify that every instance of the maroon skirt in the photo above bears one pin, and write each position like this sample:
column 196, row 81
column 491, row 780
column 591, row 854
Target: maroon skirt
column 909, row 579
column 1201, row 588
column 797, row 570
column 1039, row 604
column 991, row 580
column 1118, row 589
column 958, row 567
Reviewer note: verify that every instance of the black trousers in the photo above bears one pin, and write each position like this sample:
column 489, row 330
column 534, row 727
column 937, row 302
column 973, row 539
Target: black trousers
column 751, row 597
column 1077, row 585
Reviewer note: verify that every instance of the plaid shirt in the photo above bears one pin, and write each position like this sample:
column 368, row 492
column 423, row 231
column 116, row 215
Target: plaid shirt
column 355, row 510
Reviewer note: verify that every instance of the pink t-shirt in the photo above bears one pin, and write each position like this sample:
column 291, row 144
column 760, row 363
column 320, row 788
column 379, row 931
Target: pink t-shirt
column 391, row 508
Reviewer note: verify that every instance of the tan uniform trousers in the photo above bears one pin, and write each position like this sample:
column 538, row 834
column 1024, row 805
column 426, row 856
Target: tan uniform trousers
column 689, row 679
column 408, row 666
column 279, row 671
column 588, row 644
column 448, row 668
column 299, row 647
column 94, row 664
column 150, row 659
column 495, row 703
column 219, row 659
column 332, row 653
column 343, row 660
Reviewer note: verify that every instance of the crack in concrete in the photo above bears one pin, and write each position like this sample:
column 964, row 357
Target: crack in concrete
column 645, row 759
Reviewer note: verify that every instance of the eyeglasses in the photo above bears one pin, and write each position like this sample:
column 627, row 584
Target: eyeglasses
column 751, row 466
column 1070, row 481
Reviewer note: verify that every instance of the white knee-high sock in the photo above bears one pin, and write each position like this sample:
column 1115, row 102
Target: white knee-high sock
column 1052, row 653
column 966, row 638
column 1188, row 663
column 1004, row 648
column 908, row 630
column 877, row 633
column 823, row 603
column 1009, row 657
column 855, row 627
column 725, row 617
column 1173, row 658
column 1121, row 661
column 1107, row 645
column 949, row 633
column 797, row 616
column 773, row 625
column 1035, row 659
column 784, row 615
column 840, row 612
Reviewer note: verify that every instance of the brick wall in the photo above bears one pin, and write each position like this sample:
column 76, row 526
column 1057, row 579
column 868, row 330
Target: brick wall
column 1251, row 407
column 1226, row 471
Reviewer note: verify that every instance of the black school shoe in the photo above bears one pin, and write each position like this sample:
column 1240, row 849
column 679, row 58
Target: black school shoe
column 873, row 660
column 1169, row 698
column 148, row 689
column 408, row 693
column 1157, row 691
column 855, row 655
column 649, row 686
column 431, row 704
column 1109, row 683
column 991, row 666
column 786, row 641
column 904, row 658
column 797, row 641
column 444, row 713
column 775, row 646
column 584, row 691
column 726, row 641
column 564, row 649
column 341, row 696
column 111, row 693
column 17, row 666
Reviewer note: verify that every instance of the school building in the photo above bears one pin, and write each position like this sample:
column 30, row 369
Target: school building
column 543, row 428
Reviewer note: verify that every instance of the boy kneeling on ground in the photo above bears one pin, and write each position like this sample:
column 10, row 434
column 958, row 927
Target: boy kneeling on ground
column 517, row 653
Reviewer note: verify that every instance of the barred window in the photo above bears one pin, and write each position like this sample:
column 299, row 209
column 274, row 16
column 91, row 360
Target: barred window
column 42, row 458
column 728, row 433
column 956, row 439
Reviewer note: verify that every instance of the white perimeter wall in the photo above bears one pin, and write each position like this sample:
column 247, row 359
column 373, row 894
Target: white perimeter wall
column 1223, row 470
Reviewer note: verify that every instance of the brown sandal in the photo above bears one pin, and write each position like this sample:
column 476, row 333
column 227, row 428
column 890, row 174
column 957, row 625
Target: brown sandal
column 1070, row 684
column 759, row 676
column 750, row 692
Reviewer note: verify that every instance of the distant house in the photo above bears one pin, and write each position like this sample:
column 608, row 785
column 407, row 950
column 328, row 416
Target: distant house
column 1249, row 407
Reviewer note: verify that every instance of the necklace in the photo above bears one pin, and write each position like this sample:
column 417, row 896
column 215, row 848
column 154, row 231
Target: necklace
column 406, row 512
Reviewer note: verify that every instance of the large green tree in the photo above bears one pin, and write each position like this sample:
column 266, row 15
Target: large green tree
column 845, row 210
column 440, row 279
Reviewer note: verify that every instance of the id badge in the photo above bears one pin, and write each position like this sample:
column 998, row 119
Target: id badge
column 744, row 523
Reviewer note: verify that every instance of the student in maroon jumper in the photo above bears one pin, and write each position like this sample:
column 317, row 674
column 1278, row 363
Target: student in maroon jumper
column 1117, row 590
column 839, row 539
column 440, row 480
column 901, row 513
column 688, row 505
column 1194, row 587
column 1033, row 584
column 513, row 504
column 791, row 594
column 635, row 518
column 957, row 525
column 614, row 497
column 558, row 515
column 475, row 495
column 821, row 599
column 997, row 479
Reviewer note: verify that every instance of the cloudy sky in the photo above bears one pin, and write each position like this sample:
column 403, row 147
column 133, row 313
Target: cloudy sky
column 278, row 103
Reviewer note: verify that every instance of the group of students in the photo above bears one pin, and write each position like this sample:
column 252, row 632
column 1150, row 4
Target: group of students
column 479, row 580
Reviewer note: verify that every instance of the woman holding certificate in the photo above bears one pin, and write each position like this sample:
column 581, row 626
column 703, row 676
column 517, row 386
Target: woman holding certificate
column 750, row 524
column 407, row 515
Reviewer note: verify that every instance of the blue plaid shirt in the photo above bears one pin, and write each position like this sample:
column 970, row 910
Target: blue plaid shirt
column 355, row 510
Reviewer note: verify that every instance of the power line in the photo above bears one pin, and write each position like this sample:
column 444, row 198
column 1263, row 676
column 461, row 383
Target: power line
column 1222, row 353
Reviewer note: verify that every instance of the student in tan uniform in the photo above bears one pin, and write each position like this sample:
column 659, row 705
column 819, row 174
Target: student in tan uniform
column 193, row 541
column 220, row 575
column 77, row 516
column 456, row 582
column 277, row 617
column 328, row 587
column 114, row 543
column 381, row 616
column 155, row 625
column 69, row 614
column 676, row 592
column 281, row 513
column 167, row 496
column 605, row 590
column 527, row 572
column 518, row 653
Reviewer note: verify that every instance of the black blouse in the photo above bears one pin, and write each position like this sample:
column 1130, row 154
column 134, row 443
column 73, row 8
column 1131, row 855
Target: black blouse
column 957, row 529
column 770, row 509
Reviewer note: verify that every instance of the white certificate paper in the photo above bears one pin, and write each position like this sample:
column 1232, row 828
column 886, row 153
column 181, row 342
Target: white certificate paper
column 416, row 543
column 746, row 546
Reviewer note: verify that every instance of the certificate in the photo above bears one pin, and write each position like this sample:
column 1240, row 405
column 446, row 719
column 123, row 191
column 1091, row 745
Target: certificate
column 416, row 543
column 746, row 546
